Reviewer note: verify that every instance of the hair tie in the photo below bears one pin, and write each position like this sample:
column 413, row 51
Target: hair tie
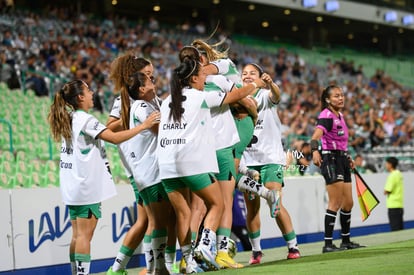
column 62, row 93
column 258, row 68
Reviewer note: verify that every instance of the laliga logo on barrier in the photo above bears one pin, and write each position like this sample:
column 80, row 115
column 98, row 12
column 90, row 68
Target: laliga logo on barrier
column 128, row 217
column 49, row 228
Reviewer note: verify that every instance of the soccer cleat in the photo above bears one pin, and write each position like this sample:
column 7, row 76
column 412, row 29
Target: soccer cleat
column 119, row 272
column 225, row 261
column 205, row 254
column 232, row 248
column 203, row 265
column 192, row 267
column 253, row 174
column 256, row 257
column 183, row 265
column 331, row 248
column 175, row 269
column 293, row 253
column 274, row 203
column 351, row 245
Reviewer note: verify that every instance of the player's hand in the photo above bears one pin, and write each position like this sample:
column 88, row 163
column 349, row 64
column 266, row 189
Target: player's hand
column 260, row 83
column 351, row 162
column 317, row 159
column 152, row 119
column 267, row 79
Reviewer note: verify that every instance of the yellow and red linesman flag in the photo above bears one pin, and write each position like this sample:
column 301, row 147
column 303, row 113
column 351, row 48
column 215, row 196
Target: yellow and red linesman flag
column 366, row 198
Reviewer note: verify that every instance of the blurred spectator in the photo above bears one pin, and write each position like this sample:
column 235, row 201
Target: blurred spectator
column 247, row 58
column 304, row 160
column 399, row 136
column 20, row 42
column 8, row 39
column 5, row 68
column 394, row 190
column 362, row 166
column 68, row 46
column 406, row 100
column 153, row 24
column 6, row 6
column 280, row 66
column 7, row 72
column 361, row 140
column 298, row 66
column 35, row 81
column 239, row 220
column 377, row 135
column 200, row 28
column 389, row 121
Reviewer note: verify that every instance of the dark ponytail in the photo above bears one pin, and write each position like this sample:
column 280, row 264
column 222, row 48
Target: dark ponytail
column 181, row 78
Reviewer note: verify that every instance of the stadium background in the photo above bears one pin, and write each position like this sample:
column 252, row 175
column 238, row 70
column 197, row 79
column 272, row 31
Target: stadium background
column 29, row 157
column 236, row 16
column 386, row 62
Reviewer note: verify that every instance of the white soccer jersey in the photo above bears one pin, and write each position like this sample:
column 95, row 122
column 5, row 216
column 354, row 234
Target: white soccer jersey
column 266, row 144
column 140, row 150
column 116, row 112
column 188, row 147
column 85, row 176
column 223, row 121
column 227, row 68
column 116, row 108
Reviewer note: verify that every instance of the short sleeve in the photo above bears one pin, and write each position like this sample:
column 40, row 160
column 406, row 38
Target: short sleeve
column 93, row 127
column 218, row 83
column 214, row 99
column 222, row 65
column 325, row 124
column 389, row 185
column 116, row 108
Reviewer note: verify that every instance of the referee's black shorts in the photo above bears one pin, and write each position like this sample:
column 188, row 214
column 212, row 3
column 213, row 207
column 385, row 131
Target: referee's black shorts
column 335, row 167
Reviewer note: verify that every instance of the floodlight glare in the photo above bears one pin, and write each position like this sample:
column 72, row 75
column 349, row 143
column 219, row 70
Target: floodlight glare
column 331, row 6
column 390, row 16
column 309, row 3
column 407, row 20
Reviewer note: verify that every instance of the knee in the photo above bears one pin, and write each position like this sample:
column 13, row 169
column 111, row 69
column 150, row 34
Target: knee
column 219, row 205
column 253, row 206
column 140, row 224
column 335, row 205
column 347, row 203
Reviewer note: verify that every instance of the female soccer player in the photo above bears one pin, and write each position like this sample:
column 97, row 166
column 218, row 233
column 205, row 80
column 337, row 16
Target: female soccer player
column 122, row 69
column 187, row 154
column 265, row 154
column 85, row 175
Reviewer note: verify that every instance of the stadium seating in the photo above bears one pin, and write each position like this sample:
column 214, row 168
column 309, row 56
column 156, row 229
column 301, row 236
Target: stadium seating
column 28, row 140
column 33, row 159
